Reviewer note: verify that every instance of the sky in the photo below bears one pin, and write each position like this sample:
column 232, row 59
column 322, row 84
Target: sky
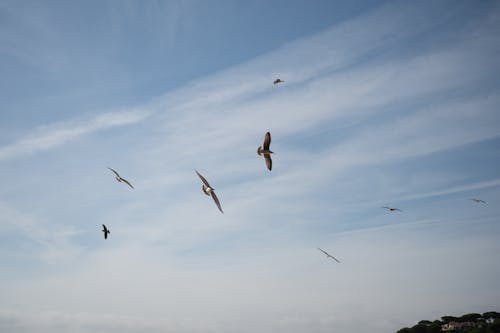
column 385, row 103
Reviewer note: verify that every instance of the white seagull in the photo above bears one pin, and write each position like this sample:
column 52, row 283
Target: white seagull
column 120, row 179
column 208, row 190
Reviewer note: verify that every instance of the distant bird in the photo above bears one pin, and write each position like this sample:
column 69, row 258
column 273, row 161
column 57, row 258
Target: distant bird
column 208, row 190
column 329, row 255
column 278, row 81
column 106, row 231
column 265, row 151
column 478, row 200
column 392, row 209
column 120, row 179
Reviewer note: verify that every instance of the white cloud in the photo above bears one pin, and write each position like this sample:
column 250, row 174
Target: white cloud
column 47, row 137
column 52, row 241
column 273, row 289
column 455, row 189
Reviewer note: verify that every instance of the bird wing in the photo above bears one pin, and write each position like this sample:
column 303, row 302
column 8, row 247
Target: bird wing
column 276, row 81
column 267, row 141
column 322, row 251
column 104, row 228
column 105, row 235
column 481, row 200
column 333, row 258
column 203, row 179
column 216, row 201
column 269, row 161
column 385, row 207
column 116, row 173
column 329, row 255
column 126, row 182
column 397, row 209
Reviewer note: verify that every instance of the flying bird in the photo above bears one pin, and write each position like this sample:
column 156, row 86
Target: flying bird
column 329, row 255
column 106, row 231
column 478, row 200
column 278, row 81
column 120, row 179
column 265, row 151
column 208, row 190
column 392, row 209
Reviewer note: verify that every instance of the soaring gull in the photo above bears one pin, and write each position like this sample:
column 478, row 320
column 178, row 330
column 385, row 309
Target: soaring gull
column 329, row 255
column 278, row 81
column 120, row 179
column 265, row 151
column 392, row 209
column 208, row 190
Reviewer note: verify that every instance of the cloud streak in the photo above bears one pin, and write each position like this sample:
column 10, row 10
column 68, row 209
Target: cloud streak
column 55, row 135
column 455, row 189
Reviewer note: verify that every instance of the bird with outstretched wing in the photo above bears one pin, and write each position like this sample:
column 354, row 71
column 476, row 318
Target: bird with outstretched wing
column 120, row 178
column 208, row 190
column 328, row 255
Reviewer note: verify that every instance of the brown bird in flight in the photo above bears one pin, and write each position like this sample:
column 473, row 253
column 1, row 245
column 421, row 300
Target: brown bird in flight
column 476, row 200
column 392, row 209
column 278, row 81
column 208, row 190
column 120, row 179
column 329, row 255
column 265, row 151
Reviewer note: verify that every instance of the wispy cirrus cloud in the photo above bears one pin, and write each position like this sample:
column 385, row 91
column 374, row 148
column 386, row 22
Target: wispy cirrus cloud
column 53, row 241
column 54, row 135
column 455, row 189
column 267, row 289
column 219, row 107
column 332, row 61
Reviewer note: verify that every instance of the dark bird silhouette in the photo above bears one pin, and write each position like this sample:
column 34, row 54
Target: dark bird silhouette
column 120, row 179
column 265, row 151
column 476, row 200
column 278, row 81
column 329, row 255
column 208, row 190
column 106, row 231
column 392, row 209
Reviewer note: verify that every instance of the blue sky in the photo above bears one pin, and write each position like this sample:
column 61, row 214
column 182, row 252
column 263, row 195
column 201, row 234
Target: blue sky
column 384, row 103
